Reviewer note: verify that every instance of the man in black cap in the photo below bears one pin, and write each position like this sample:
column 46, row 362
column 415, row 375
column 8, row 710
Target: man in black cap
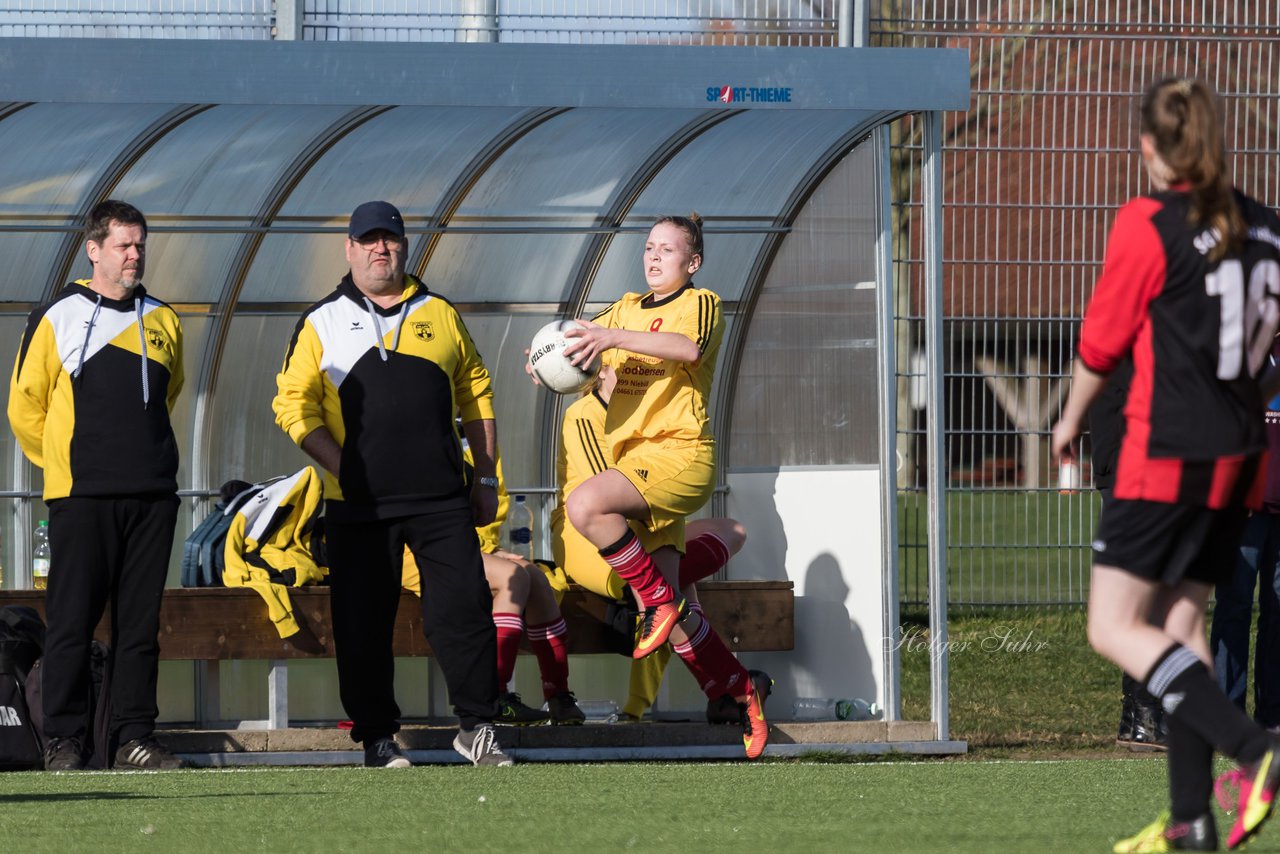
column 370, row 385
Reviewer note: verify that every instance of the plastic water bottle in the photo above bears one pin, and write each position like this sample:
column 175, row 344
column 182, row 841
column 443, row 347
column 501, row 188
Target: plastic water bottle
column 831, row 709
column 599, row 711
column 1068, row 477
column 40, row 556
column 520, row 529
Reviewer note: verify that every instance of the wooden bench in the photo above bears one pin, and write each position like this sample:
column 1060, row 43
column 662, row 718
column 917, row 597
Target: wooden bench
column 220, row 624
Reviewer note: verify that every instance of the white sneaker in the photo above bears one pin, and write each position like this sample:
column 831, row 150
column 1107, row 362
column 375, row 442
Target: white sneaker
column 481, row 747
column 384, row 753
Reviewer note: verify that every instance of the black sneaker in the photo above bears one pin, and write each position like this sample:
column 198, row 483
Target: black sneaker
column 724, row 710
column 512, row 712
column 1150, row 732
column 727, row 710
column 481, row 747
column 147, row 754
column 565, row 711
column 64, row 754
column 384, row 753
column 1124, row 735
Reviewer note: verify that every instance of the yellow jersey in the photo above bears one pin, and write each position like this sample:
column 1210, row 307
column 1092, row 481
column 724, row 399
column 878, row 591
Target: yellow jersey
column 581, row 455
column 659, row 399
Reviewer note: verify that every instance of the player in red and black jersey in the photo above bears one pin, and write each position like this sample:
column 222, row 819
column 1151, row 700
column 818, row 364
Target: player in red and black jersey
column 1191, row 289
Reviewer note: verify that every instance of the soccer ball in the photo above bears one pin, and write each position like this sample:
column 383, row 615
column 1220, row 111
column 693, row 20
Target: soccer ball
column 551, row 367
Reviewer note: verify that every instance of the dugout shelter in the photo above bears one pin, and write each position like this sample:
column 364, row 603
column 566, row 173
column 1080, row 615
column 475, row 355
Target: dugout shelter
column 528, row 176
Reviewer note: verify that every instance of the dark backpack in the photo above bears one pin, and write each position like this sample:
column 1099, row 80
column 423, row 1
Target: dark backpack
column 203, row 552
column 21, row 644
column 98, row 748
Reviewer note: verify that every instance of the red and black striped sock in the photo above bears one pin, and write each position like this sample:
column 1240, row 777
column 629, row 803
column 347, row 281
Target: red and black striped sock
column 703, row 555
column 510, row 629
column 711, row 663
column 634, row 566
column 549, row 642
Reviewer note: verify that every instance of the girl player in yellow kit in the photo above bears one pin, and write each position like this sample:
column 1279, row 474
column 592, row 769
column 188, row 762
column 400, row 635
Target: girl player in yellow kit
column 709, row 543
column 662, row 344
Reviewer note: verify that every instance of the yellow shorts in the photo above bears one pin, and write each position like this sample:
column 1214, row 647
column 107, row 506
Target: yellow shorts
column 675, row 478
column 581, row 560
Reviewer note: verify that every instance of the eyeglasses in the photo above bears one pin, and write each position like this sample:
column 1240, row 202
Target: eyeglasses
column 390, row 241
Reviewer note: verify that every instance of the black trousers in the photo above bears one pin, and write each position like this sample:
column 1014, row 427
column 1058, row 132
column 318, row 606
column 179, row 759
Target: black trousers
column 366, row 560
column 105, row 549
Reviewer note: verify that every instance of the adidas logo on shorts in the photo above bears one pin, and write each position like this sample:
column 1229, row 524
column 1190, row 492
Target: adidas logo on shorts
column 643, row 474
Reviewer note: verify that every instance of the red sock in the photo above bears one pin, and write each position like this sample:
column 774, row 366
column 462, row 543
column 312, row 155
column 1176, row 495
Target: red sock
column 549, row 644
column 712, row 665
column 510, row 628
column 703, row 555
column 634, row 566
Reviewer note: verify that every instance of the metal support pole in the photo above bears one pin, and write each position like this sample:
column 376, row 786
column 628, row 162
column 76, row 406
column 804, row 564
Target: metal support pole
column 23, row 521
column 289, row 15
column 935, row 420
column 208, row 692
column 479, row 21
column 852, row 23
column 886, row 361
column 278, row 694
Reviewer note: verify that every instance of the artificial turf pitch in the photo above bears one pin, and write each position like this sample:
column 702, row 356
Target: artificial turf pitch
column 935, row 806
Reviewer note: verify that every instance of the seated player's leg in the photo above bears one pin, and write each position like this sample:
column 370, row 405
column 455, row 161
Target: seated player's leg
column 709, row 543
column 645, row 681
column 582, row 563
column 509, row 585
column 548, row 638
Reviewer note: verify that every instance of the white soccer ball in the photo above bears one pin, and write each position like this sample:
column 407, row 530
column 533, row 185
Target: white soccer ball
column 551, row 367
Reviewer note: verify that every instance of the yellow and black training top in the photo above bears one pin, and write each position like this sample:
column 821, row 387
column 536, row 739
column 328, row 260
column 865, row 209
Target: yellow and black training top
column 386, row 382
column 92, row 388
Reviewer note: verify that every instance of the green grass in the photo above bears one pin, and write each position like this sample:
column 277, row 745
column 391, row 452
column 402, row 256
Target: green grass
column 1021, row 681
column 1023, row 685
column 1004, row 546
column 935, row 806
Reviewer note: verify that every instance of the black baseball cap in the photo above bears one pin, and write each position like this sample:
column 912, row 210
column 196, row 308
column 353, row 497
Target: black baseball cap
column 372, row 216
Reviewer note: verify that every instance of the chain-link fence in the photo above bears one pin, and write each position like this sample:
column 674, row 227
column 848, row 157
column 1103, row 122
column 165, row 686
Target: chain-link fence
column 1034, row 173
column 693, row 22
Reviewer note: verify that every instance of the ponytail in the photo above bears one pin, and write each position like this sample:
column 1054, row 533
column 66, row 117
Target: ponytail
column 1181, row 117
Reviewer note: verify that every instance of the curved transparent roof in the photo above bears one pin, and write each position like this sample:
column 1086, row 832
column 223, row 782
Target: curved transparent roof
column 207, row 181
column 64, row 149
column 56, row 154
column 410, row 156
column 558, row 181
column 516, row 214
column 407, row 155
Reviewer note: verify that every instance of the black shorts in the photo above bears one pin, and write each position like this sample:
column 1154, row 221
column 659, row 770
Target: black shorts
column 1169, row 542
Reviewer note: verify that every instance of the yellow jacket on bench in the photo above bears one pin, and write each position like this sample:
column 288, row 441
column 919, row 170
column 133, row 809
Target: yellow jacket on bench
column 269, row 544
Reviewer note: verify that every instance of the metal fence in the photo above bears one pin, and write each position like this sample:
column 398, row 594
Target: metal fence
column 1034, row 173
column 700, row 22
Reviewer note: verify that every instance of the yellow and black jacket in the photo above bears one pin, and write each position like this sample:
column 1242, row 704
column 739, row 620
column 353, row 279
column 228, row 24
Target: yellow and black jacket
column 92, row 388
column 386, row 382
column 268, row 547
